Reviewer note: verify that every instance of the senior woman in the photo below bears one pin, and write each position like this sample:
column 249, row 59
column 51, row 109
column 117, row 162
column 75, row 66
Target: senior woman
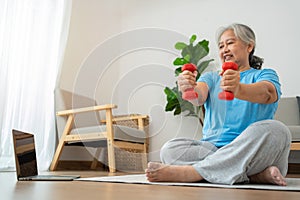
column 241, row 141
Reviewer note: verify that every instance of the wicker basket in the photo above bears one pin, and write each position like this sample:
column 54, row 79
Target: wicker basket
column 127, row 159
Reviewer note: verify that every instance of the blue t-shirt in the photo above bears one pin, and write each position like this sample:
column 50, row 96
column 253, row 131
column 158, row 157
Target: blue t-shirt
column 225, row 120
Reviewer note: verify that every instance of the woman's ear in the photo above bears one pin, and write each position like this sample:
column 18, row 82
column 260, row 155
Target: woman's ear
column 250, row 47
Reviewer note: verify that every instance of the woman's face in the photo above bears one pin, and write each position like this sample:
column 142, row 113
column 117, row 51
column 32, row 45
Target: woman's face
column 233, row 49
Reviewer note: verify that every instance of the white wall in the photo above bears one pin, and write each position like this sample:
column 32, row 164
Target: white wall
column 122, row 51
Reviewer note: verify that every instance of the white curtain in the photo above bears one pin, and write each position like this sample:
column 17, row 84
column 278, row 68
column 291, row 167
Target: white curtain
column 33, row 35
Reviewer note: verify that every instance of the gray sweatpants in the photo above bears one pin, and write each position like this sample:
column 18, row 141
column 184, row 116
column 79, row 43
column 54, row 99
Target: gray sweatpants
column 263, row 144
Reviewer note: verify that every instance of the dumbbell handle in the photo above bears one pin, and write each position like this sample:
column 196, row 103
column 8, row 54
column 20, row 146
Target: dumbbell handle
column 227, row 95
column 190, row 93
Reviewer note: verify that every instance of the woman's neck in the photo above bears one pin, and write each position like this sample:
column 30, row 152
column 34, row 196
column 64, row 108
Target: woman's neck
column 244, row 68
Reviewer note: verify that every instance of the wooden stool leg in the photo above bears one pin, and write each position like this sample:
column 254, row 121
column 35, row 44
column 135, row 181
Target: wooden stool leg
column 110, row 142
column 57, row 155
column 95, row 160
column 61, row 143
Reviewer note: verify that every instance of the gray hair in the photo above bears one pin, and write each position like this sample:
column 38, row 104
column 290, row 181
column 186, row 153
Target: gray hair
column 247, row 35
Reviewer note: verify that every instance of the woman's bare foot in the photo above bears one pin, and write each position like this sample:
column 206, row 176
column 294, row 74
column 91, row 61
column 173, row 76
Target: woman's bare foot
column 157, row 172
column 271, row 175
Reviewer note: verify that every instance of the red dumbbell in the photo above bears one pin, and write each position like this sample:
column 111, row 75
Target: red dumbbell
column 190, row 93
column 226, row 95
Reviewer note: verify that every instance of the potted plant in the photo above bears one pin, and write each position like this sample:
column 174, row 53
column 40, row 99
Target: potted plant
column 190, row 53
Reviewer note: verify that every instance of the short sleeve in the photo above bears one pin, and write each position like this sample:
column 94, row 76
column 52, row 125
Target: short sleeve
column 271, row 76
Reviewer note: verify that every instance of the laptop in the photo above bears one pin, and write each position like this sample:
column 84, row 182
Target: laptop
column 26, row 162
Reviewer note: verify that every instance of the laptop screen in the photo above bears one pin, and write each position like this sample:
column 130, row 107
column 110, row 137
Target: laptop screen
column 25, row 154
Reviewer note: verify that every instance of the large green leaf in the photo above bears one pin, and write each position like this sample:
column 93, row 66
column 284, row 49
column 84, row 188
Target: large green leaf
column 180, row 45
column 178, row 71
column 187, row 107
column 204, row 44
column 172, row 99
column 193, row 39
column 203, row 65
column 179, row 61
column 188, row 50
column 176, row 103
column 200, row 52
column 197, row 52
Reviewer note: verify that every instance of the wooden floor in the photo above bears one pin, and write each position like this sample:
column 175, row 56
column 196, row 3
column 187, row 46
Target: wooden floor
column 11, row 189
